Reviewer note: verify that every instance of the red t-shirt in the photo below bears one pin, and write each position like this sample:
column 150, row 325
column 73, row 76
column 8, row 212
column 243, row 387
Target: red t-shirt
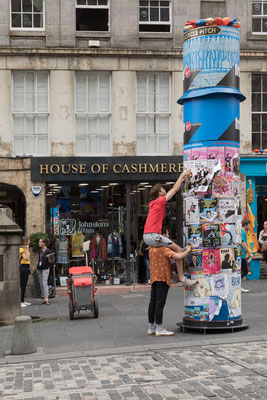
column 155, row 216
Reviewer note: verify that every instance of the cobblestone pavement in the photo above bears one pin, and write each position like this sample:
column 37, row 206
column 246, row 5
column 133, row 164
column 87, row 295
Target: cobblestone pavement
column 235, row 371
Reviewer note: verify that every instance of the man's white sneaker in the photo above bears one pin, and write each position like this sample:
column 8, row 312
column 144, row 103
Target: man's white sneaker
column 243, row 290
column 151, row 332
column 23, row 305
column 164, row 332
column 27, row 304
column 188, row 282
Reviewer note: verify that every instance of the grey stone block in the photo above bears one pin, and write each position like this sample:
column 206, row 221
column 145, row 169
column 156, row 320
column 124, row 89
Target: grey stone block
column 23, row 341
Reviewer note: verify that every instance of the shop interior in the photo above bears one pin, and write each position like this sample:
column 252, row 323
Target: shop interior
column 79, row 213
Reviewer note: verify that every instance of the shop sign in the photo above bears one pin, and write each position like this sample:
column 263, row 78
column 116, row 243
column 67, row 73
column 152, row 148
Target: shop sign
column 36, row 190
column 55, row 169
column 67, row 226
column 90, row 227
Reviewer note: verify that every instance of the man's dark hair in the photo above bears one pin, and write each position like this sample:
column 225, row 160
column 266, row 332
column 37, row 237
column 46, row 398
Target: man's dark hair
column 245, row 222
column 154, row 192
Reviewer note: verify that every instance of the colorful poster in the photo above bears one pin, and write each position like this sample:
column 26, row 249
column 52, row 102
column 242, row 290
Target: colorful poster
column 217, row 153
column 215, row 305
column 211, row 261
column 231, row 153
column 222, row 187
column 200, row 313
column 202, row 172
column 195, row 236
column 191, row 211
column 199, row 153
column 227, row 258
column 227, row 235
column 236, row 187
column 208, row 210
column 234, row 296
column 238, row 229
column 238, row 255
column 202, row 288
column 211, row 235
column 220, row 285
column 194, row 262
column 227, row 210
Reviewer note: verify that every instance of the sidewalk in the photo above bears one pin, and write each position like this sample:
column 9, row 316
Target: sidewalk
column 122, row 324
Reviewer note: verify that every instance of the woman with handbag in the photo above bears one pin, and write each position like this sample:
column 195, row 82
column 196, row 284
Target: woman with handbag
column 263, row 241
column 24, row 268
column 45, row 261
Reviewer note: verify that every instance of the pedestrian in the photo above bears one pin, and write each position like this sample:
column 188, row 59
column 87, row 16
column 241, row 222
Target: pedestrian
column 153, row 226
column 263, row 241
column 245, row 249
column 45, row 261
column 24, row 268
column 160, row 279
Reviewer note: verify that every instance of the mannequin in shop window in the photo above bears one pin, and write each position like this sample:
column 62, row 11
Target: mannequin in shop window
column 98, row 248
column 62, row 250
column 117, row 245
column 77, row 240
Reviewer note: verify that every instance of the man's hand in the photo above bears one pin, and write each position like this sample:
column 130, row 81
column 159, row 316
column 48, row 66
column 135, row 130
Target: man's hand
column 188, row 248
column 185, row 174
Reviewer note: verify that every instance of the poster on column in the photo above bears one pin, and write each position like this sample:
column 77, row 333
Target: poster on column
column 217, row 153
column 191, row 211
column 211, row 235
column 236, row 187
column 195, row 236
column 202, row 173
column 194, row 262
column 208, row 210
column 234, row 296
column 238, row 257
column 227, row 258
column 199, row 153
column 231, row 154
column 222, row 187
column 238, row 229
column 220, row 284
column 227, row 209
column 211, row 261
column 227, row 235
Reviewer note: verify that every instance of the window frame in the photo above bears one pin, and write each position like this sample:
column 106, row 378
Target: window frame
column 261, row 112
column 107, row 7
column 87, row 152
column 31, row 113
column 26, row 29
column 169, row 23
column 157, row 113
column 261, row 17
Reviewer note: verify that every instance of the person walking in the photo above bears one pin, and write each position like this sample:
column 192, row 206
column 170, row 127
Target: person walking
column 245, row 249
column 24, row 268
column 160, row 279
column 153, row 226
column 45, row 261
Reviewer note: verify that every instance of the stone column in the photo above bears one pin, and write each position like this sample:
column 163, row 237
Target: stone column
column 10, row 238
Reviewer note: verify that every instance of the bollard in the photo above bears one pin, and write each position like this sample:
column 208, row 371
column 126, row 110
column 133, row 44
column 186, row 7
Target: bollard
column 23, row 341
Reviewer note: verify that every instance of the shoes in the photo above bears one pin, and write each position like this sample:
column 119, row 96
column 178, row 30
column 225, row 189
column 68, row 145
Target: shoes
column 188, row 282
column 27, row 304
column 45, row 302
column 243, row 290
column 164, row 332
column 151, row 332
column 23, row 305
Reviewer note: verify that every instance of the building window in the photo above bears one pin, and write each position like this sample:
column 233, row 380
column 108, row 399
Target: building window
column 30, row 112
column 93, row 113
column 212, row 8
column 27, row 14
column 154, row 16
column 92, row 15
column 153, row 121
column 259, row 16
column 259, row 111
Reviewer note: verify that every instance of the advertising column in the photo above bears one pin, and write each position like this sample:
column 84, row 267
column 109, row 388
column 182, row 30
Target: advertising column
column 212, row 211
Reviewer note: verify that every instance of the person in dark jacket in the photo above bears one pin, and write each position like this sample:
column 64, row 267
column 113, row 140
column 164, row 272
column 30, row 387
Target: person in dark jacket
column 45, row 261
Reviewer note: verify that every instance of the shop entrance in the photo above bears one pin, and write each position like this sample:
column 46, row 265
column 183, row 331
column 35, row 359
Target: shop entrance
column 13, row 203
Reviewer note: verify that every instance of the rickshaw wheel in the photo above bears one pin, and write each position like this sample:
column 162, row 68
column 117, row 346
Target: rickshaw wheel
column 96, row 308
column 71, row 312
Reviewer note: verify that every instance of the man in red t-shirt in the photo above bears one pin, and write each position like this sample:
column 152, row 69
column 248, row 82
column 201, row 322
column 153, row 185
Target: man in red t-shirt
column 153, row 226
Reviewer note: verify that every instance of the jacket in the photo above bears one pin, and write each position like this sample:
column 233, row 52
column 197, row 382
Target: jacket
column 43, row 262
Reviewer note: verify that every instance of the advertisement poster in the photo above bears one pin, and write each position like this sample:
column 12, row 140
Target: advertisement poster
column 227, row 235
column 227, row 258
column 220, row 285
column 217, row 153
column 238, row 229
column 215, row 305
column 199, row 153
column 191, row 211
column 200, row 312
column 195, row 236
column 234, row 296
column 202, row 288
column 222, row 187
column 231, row 153
column 236, row 187
column 54, row 220
column 187, row 155
column 208, row 210
column 238, row 254
column 194, row 262
column 227, row 210
column 211, row 261
column 202, row 173
column 211, row 235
